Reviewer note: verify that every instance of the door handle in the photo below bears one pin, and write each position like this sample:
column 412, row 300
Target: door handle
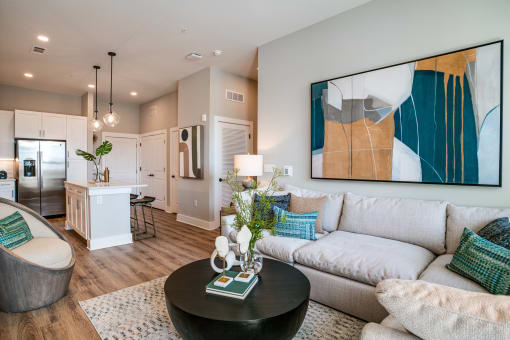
column 173, row 176
column 221, row 179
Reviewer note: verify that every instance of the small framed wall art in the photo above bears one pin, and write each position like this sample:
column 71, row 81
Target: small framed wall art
column 191, row 152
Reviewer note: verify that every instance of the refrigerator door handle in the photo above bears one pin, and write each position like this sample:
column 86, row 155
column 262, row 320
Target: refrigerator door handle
column 39, row 174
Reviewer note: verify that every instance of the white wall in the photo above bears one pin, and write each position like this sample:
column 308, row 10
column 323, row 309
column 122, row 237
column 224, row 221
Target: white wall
column 378, row 34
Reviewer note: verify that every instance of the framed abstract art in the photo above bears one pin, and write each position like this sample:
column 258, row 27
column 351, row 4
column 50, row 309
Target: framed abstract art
column 191, row 152
column 433, row 120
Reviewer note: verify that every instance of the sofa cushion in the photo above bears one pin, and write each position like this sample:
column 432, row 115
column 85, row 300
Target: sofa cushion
column 332, row 206
column 432, row 311
column 290, row 224
column 37, row 228
column 437, row 272
column 474, row 218
column 46, row 251
column 302, row 205
column 282, row 248
column 364, row 258
column 422, row 223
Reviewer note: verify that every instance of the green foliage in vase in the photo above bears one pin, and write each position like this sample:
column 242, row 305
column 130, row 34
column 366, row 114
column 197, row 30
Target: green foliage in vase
column 101, row 151
column 256, row 217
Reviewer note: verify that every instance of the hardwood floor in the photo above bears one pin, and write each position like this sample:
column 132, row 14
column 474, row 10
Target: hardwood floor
column 107, row 270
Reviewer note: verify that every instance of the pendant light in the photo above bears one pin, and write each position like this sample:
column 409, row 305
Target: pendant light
column 95, row 124
column 111, row 119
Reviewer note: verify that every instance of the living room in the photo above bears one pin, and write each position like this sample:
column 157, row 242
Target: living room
column 336, row 169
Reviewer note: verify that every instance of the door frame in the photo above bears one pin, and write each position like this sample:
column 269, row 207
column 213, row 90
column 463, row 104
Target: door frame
column 216, row 168
column 136, row 136
column 176, row 204
column 155, row 133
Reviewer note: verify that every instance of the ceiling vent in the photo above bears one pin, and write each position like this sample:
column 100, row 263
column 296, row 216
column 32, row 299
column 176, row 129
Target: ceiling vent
column 38, row 50
column 194, row 56
column 234, row 96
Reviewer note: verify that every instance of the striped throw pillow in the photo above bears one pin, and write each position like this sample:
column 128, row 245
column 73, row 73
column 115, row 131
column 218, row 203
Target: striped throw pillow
column 483, row 262
column 14, row 231
column 289, row 224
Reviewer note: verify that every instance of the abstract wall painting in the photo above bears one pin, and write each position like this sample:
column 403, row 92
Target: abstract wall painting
column 433, row 120
column 191, row 152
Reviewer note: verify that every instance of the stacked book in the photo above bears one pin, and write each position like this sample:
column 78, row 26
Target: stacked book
column 238, row 288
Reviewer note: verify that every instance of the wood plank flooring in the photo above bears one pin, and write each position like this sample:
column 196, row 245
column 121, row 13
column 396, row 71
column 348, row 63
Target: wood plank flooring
column 107, row 270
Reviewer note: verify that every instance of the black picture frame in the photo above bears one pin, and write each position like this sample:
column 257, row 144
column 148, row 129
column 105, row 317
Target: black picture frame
column 499, row 185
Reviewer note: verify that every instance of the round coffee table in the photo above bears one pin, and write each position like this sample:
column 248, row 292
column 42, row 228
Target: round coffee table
column 274, row 309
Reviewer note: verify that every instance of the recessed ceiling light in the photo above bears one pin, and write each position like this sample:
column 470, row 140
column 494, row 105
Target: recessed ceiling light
column 133, row 93
column 91, row 86
column 43, row 38
column 193, row 56
column 217, row 52
column 28, row 75
column 184, row 30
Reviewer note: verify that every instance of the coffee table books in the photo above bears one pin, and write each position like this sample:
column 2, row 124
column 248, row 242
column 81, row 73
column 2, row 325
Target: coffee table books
column 236, row 289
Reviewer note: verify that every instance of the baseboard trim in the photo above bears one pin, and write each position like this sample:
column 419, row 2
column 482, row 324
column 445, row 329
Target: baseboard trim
column 111, row 241
column 196, row 222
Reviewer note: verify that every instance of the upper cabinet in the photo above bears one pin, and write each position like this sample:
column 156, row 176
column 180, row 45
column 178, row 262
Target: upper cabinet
column 39, row 125
column 76, row 135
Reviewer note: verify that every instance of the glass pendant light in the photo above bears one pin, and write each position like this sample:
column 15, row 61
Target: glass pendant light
column 95, row 124
column 111, row 119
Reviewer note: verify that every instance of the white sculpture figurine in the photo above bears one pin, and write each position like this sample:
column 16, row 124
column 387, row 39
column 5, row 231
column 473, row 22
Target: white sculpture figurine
column 243, row 239
column 222, row 251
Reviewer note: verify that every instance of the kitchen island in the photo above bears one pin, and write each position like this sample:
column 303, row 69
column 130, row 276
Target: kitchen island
column 100, row 212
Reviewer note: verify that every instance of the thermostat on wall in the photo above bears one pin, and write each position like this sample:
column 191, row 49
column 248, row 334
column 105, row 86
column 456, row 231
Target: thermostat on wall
column 287, row 170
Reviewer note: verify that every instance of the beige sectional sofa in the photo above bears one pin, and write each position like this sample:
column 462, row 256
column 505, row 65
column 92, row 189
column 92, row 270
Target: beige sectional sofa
column 372, row 240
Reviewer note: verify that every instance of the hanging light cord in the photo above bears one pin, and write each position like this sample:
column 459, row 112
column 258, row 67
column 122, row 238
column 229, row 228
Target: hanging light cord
column 95, row 110
column 111, row 80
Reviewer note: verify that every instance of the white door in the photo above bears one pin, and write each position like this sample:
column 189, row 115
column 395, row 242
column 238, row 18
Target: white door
column 54, row 126
column 174, row 169
column 122, row 160
column 231, row 139
column 153, row 155
column 27, row 124
column 76, row 135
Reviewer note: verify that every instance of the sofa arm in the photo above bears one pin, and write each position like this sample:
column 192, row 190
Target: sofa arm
column 227, row 225
column 375, row 331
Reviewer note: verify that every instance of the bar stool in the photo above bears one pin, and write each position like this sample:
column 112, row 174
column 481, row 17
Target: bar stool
column 144, row 202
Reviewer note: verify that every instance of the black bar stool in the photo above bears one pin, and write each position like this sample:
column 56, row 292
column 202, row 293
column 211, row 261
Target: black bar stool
column 144, row 202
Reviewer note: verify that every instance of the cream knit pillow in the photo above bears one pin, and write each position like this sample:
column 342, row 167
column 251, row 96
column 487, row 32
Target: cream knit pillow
column 435, row 312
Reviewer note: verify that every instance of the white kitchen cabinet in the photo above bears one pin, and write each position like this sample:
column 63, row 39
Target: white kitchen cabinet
column 77, row 210
column 8, row 189
column 76, row 170
column 27, row 124
column 76, row 136
column 53, row 126
column 39, row 125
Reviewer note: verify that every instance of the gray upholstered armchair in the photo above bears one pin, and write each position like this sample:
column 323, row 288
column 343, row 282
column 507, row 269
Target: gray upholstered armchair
column 37, row 273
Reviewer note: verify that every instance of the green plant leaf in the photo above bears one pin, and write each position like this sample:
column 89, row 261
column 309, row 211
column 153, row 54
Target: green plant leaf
column 88, row 156
column 104, row 148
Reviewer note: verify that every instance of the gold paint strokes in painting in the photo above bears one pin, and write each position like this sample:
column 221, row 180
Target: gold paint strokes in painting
column 453, row 64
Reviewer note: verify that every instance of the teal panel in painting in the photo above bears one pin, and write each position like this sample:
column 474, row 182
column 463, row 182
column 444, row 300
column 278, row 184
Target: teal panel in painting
column 458, row 122
column 449, row 129
column 470, row 138
column 439, row 160
column 318, row 115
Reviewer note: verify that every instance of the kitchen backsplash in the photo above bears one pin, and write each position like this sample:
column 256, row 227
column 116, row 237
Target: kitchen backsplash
column 7, row 165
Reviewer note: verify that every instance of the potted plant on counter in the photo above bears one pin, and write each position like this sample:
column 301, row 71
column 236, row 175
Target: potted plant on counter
column 101, row 151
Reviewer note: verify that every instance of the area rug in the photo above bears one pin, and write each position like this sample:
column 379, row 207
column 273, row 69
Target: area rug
column 139, row 312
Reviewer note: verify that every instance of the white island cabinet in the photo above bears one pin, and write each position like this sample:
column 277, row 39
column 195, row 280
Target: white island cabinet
column 99, row 212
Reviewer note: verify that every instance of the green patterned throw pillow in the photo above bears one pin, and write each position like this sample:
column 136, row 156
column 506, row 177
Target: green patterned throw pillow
column 483, row 262
column 14, row 231
column 289, row 224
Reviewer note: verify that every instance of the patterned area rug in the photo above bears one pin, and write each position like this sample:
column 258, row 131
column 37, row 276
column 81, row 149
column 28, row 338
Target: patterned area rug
column 139, row 312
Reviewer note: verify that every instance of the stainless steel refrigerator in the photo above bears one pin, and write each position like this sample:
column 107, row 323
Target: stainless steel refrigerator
column 41, row 175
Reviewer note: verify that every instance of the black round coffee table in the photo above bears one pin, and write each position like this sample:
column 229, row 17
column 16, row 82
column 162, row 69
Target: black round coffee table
column 275, row 308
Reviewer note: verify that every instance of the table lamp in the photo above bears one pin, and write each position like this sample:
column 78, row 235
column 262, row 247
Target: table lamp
column 248, row 166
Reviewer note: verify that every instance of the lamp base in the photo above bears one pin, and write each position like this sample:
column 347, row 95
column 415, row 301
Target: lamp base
column 249, row 183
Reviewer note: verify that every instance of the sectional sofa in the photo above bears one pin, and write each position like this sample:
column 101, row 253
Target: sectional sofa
column 367, row 240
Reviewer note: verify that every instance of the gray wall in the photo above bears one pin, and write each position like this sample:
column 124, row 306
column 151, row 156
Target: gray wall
column 159, row 114
column 380, row 33
column 194, row 101
column 12, row 97
column 129, row 116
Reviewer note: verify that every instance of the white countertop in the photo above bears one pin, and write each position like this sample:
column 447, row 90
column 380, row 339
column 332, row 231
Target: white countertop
column 104, row 185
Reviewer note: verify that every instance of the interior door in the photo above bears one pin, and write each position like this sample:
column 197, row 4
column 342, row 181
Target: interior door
column 153, row 168
column 174, row 170
column 232, row 139
column 122, row 160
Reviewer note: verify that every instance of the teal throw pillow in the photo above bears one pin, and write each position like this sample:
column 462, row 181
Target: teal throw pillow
column 498, row 232
column 290, row 224
column 483, row 262
column 14, row 231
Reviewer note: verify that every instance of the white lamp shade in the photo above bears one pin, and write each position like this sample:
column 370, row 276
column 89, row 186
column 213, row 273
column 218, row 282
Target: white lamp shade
column 249, row 165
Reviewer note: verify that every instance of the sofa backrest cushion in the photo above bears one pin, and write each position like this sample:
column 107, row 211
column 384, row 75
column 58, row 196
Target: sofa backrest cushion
column 332, row 206
column 418, row 222
column 37, row 228
column 474, row 218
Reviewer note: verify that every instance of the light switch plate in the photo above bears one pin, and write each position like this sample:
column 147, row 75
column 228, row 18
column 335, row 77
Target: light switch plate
column 287, row 170
column 204, row 118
